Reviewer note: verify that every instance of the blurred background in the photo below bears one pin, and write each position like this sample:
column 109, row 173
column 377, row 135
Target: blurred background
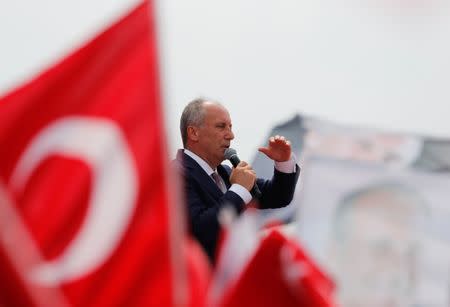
column 374, row 63
column 360, row 88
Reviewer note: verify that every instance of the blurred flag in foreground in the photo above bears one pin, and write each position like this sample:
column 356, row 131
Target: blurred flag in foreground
column 270, row 270
column 84, row 212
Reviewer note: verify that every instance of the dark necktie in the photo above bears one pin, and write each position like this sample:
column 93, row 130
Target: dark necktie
column 219, row 182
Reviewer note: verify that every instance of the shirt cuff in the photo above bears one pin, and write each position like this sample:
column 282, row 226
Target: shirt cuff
column 287, row 166
column 241, row 192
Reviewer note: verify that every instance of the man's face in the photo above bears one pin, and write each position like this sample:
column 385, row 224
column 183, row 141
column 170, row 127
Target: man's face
column 214, row 135
column 377, row 260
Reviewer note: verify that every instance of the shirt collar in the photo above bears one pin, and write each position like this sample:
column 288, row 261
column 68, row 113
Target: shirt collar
column 205, row 166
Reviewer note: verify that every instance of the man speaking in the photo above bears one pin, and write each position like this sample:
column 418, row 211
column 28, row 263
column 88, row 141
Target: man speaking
column 206, row 132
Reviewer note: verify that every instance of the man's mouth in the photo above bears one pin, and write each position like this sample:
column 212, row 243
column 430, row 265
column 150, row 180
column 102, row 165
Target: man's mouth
column 224, row 147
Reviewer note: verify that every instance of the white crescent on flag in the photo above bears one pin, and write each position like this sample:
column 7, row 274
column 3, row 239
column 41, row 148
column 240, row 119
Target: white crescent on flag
column 101, row 144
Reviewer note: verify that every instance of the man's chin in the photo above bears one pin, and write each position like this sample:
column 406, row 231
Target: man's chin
column 221, row 159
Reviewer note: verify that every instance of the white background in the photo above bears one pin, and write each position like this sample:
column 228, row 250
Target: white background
column 379, row 63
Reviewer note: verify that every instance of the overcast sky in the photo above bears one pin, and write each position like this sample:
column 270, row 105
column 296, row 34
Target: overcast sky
column 377, row 63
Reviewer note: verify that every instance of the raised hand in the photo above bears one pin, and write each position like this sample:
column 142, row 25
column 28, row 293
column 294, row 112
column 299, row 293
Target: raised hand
column 279, row 149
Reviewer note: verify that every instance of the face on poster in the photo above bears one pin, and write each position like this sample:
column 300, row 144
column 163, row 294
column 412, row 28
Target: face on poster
column 381, row 232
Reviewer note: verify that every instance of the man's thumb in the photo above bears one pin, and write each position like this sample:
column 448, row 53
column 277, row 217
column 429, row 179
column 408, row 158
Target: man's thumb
column 264, row 150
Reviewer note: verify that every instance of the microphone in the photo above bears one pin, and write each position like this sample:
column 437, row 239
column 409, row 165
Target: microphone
column 231, row 154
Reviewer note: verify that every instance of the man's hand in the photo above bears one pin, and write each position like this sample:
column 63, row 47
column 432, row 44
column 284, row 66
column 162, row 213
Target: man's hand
column 244, row 175
column 279, row 149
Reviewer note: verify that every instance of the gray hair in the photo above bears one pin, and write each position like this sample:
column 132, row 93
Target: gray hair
column 193, row 114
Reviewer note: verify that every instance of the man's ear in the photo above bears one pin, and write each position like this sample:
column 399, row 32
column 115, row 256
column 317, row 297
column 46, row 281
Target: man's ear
column 193, row 133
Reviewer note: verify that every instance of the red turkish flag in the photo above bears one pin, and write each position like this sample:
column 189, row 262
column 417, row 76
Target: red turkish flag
column 83, row 182
column 280, row 273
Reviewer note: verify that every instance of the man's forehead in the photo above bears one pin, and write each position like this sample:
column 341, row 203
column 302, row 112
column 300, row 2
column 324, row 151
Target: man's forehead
column 216, row 112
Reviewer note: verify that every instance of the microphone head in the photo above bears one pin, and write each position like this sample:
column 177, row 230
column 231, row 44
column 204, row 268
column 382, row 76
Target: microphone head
column 229, row 152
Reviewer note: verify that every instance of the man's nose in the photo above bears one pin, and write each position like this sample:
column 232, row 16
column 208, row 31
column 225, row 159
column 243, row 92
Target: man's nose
column 229, row 135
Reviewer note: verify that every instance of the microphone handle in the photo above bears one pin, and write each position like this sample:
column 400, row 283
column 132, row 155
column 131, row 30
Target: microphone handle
column 256, row 193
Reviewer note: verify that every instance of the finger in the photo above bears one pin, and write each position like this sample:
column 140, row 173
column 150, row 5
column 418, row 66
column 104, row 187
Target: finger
column 288, row 143
column 242, row 164
column 248, row 167
column 264, row 150
column 277, row 137
column 251, row 173
column 268, row 152
column 282, row 138
column 271, row 139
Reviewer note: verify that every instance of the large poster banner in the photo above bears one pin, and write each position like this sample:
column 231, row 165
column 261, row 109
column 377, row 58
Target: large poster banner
column 382, row 233
column 372, row 207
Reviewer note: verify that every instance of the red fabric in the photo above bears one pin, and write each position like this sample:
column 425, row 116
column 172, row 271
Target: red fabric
column 199, row 274
column 114, row 77
column 264, row 282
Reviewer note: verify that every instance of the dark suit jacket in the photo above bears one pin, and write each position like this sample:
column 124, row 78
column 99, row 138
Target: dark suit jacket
column 205, row 199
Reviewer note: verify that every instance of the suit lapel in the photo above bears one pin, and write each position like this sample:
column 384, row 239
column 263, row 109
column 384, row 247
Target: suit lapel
column 197, row 172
